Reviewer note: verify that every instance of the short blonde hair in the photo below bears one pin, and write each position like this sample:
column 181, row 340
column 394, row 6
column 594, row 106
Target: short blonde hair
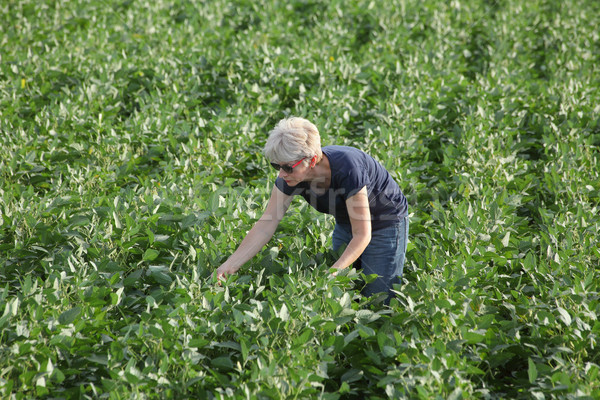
column 292, row 139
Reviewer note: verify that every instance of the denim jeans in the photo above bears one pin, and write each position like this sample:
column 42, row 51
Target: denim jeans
column 384, row 255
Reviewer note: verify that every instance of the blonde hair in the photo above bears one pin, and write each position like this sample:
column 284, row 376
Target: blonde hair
column 292, row 139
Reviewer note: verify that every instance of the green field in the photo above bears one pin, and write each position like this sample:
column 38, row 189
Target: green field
column 131, row 166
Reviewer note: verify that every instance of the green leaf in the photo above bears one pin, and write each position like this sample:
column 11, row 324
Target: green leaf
column 366, row 331
column 69, row 316
column 151, row 254
column 344, row 388
column 473, row 337
column 352, row 375
column 98, row 359
column 366, row 316
column 532, row 371
column 244, row 348
column 284, row 313
column 506, row 239
column 114, row 279
column 389, row 351
column 4, row 319
column 305, row 335
column 161, row 277
column 223, row 363
column 198, row 343
column 150, row 236
column 564, row 316
column 132, row 278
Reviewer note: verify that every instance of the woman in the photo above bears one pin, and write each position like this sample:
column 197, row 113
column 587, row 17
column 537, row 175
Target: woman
column 368, row 205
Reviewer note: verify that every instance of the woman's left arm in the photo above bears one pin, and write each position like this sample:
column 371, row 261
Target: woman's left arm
column 360, row 220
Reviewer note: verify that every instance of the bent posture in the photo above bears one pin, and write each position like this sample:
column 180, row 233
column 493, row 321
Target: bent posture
column 370, row 210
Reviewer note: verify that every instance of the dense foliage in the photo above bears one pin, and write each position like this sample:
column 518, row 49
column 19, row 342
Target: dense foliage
column 130, row 168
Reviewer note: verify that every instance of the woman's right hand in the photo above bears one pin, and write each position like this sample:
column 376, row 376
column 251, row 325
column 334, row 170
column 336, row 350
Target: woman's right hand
column 258, row 236
column 225, row 270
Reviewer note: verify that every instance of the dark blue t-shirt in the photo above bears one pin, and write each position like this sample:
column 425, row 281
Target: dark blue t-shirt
column 351, row 170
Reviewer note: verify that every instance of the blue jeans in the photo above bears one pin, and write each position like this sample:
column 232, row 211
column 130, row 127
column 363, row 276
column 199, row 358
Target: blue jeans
column 384, row 255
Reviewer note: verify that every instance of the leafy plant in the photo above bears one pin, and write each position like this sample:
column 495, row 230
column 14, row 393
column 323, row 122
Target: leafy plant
column 131, row 167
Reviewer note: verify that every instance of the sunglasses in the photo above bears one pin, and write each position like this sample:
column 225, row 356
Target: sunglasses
column 286, row 168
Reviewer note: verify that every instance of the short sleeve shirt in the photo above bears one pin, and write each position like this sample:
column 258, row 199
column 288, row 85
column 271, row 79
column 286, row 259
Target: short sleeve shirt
column 351, row 170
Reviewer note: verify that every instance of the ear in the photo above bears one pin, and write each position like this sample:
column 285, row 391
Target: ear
column 313, row 161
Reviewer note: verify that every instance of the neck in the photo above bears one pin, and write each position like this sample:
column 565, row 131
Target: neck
column 321, row 174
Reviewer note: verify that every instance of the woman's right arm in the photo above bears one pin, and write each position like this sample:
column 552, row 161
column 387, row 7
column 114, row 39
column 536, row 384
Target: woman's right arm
column 259, row 235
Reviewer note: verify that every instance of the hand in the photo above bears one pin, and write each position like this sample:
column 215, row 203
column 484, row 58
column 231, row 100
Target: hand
column 223, row 271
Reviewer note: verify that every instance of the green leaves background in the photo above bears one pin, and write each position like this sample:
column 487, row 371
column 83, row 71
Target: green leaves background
column 131, row 166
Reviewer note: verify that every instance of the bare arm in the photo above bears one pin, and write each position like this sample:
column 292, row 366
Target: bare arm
column 259, row 235
column 360, row 220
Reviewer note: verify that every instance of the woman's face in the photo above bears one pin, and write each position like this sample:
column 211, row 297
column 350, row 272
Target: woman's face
column 298, row 173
